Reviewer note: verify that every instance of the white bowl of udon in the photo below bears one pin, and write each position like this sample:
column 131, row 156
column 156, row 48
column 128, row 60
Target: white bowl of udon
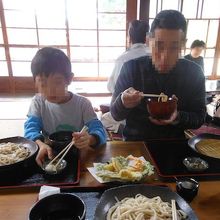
column 16, row 150
column 141, row 202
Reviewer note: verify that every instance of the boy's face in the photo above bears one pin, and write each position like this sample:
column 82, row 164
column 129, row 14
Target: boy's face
column 165, row 46
column 53, row 87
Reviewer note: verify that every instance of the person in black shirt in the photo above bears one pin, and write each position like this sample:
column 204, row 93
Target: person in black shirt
column 163, row 72
column 196, row 49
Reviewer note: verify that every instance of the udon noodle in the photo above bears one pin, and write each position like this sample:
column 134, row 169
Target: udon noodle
column 162, row 97
column 11, row 153
column 142, row 208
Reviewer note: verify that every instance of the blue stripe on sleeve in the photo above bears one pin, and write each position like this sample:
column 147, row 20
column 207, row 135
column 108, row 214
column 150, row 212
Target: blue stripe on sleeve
column 33, row 127
column 96, row 128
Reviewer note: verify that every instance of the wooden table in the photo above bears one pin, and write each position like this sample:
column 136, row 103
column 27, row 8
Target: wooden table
column 16, row 203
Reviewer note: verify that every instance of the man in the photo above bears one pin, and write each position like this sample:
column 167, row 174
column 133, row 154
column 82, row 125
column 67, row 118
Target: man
column 137, row 38
column 164, row 72
column 196, row 49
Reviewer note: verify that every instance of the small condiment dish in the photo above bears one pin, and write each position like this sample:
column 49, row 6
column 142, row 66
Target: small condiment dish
column 52, row 170
column 195, row 164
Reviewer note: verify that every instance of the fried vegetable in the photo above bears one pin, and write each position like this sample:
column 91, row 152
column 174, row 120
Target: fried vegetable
column 126, row 169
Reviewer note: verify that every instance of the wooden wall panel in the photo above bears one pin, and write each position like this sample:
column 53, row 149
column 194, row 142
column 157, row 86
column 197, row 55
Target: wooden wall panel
column 4, row 85
column 21, row 85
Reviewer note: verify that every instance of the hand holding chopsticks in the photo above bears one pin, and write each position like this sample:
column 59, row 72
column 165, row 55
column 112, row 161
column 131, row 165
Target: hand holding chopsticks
column 51, row 166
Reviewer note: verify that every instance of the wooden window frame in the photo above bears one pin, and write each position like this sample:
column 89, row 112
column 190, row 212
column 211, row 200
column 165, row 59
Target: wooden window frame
column 25, row 85
column 216, row 63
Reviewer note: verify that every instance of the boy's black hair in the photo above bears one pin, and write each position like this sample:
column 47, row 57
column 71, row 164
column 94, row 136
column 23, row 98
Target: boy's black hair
column 169, row 19
column 137, row 31
column 49, row 60
column 197, row 43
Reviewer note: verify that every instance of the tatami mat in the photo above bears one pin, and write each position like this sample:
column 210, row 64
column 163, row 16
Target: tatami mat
column 14, row 108
column 11, row 128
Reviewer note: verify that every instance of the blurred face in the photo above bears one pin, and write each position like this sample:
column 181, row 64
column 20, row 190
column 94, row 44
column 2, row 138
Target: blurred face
column 165, row 46
column 53, row 87
column 196, row 51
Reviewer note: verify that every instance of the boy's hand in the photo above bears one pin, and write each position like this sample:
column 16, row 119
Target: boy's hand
column 44, row 151
column 82, row 139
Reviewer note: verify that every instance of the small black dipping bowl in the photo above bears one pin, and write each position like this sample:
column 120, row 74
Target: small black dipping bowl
column 60, row 139
column 187, row 188
column 61, row 206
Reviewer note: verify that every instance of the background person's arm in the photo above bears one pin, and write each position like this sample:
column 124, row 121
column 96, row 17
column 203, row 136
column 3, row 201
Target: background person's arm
column 125, row 80
column 114, row 76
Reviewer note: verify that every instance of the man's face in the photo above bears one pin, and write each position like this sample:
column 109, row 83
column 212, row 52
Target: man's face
column 165, row 46
column 196, row 51
column 53, row 87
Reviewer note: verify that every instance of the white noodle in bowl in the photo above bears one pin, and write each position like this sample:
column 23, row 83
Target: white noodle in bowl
column 141, row 202
column 141, row 207
column 11, row 153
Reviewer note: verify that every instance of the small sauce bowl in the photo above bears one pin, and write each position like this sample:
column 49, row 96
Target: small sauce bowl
column 195, row 164
column 187, row 188
column 59, row 169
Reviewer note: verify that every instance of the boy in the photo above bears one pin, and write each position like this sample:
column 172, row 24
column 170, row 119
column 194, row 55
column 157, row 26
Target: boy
column 54, row 108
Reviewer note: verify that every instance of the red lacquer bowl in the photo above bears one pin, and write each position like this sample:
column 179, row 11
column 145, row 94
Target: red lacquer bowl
column 161, row 110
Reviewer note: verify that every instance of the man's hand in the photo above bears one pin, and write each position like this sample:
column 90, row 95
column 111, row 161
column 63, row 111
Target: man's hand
column 131, row 97
column 171, row 120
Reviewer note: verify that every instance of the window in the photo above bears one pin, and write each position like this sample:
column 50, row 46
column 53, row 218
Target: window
column 203, row 24
column 91, row 32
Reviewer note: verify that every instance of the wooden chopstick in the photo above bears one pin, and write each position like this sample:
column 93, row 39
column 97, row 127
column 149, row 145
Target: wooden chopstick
column 85, row 128
column 151, row 95
column 174, row 213
column 67, row 150
column 64, row 149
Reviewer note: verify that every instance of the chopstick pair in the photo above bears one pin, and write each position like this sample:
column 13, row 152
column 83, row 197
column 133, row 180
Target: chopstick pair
column 151, row 95
column 174, row 213
column 154, row 95
column 65, row 150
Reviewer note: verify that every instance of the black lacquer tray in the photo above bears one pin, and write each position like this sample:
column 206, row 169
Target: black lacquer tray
column 33, row 175
column 168, row 156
